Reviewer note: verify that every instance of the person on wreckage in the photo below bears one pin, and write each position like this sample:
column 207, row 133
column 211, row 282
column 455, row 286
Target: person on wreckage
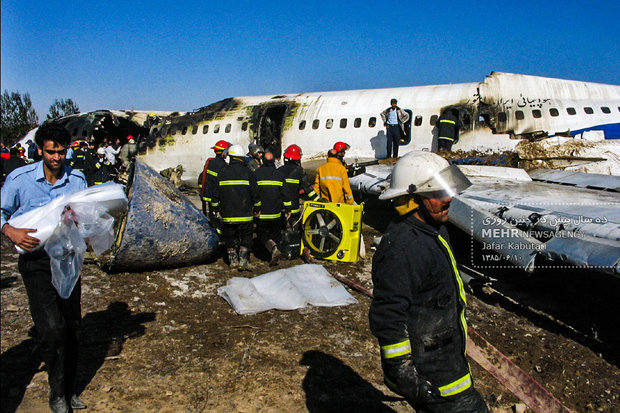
column 418, row 309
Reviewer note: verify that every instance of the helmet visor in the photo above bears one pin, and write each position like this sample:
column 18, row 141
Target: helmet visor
column 448, row 182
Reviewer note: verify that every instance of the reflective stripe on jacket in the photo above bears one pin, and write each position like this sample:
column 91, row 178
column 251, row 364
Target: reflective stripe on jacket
column 418, row 310
column 236, row 196
column 332, row 182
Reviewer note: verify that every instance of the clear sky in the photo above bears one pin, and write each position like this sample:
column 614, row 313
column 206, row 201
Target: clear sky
column 181, row 55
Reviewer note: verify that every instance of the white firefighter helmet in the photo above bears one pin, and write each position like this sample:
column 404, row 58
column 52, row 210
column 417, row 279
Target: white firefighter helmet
column 427, row 174
column 236, row 151
column 100, row 151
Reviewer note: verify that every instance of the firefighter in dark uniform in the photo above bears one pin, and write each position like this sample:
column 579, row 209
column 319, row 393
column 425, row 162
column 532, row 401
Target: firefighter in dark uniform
column 296, row 182
column 208, row 180
column 103, row 168
column 79, row 157
column 447, row 130
column 418, row 310
column 274, row 198
column 236, row 200
column 90, row 163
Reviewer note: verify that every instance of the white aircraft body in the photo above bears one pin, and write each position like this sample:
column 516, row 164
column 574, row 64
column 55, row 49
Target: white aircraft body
column 495, row 116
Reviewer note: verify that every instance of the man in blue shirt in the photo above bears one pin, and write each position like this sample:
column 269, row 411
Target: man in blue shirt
column 394, row 120
column 56, row 320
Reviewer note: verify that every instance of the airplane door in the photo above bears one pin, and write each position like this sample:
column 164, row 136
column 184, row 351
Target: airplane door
column 270, row 129
column 404, row 140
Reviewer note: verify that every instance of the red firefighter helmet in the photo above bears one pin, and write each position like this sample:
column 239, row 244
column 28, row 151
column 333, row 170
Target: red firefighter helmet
column 293, row 152
column 75, row 144
column 341, row 146
column 221, row 145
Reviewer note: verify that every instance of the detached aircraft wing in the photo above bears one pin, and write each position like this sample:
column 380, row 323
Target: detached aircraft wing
column 570, row 219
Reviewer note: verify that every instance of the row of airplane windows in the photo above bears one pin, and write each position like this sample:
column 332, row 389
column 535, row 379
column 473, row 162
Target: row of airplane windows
column 372, row 121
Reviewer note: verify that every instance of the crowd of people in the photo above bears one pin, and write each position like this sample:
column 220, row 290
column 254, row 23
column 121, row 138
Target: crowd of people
column 99, row 163
column 253, row 190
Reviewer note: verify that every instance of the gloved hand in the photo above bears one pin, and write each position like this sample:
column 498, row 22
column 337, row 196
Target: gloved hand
column 409, row 384
column 321, row 199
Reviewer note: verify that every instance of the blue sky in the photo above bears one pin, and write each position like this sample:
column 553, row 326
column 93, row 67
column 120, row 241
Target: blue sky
column 181, row 55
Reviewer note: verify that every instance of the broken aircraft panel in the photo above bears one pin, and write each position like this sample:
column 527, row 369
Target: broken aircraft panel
column 161, row 229
column 569, row 223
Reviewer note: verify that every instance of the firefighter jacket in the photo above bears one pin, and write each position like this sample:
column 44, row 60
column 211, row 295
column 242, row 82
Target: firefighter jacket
column 216, row 165
column 273, row 193
column 79, row 160
column 297, row 183
column 102, row 172
column 418, row 310
column 448, row 127
column 332, row 182
column 236, row 195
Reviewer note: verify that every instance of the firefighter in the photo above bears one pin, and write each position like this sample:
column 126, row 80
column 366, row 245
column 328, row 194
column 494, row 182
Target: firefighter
column 79, row 157
column 255, row 156
column 341, row 149
column 236, row 200
column 447, row 130
column 208, row 180
column 274, row 198
column 332, row 181
column 418, row 310
column 296, row 182
column 103, row 168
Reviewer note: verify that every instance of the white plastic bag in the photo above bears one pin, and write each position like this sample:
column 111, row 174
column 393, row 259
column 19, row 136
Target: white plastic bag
column 95, row 225
column 109, row 197
column 66, row 250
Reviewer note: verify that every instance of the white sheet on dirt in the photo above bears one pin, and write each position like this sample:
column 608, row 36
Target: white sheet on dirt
column 285, row 289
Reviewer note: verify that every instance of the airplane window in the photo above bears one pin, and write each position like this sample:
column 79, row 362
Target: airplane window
column 195, row 130
column 372, row 122
column 315, row 124
column 434, row 119
column 329, row 123
column 164, row 130
column 173, row 130
column 184, row 131
column 205, row 129
column 216, row 128
column 501, row 116
column 302, row 125
column 605, row 109
column 554, row 112
column 244, row 126
column 536, row 113
column 418, row 120
column 228, row 127
column 357, row 122
column 571, row 111
column 519, row 115
column 588, row 110
column 343, row 123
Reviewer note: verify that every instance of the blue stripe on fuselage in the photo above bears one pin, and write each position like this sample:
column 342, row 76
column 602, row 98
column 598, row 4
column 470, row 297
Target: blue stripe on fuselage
column 611, row 130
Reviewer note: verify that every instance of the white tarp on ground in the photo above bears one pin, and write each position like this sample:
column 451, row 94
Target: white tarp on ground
column 285, row 289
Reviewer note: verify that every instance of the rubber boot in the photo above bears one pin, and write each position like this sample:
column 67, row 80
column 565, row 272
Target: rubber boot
column 244, row 260
column 275, row 256
column 58, row 404
column 76, row 403
column 233, row 258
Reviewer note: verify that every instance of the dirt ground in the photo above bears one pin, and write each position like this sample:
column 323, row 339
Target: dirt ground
column 164, row 341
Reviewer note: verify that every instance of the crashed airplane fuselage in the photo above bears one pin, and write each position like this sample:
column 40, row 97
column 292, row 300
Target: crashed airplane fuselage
column 495, row 115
